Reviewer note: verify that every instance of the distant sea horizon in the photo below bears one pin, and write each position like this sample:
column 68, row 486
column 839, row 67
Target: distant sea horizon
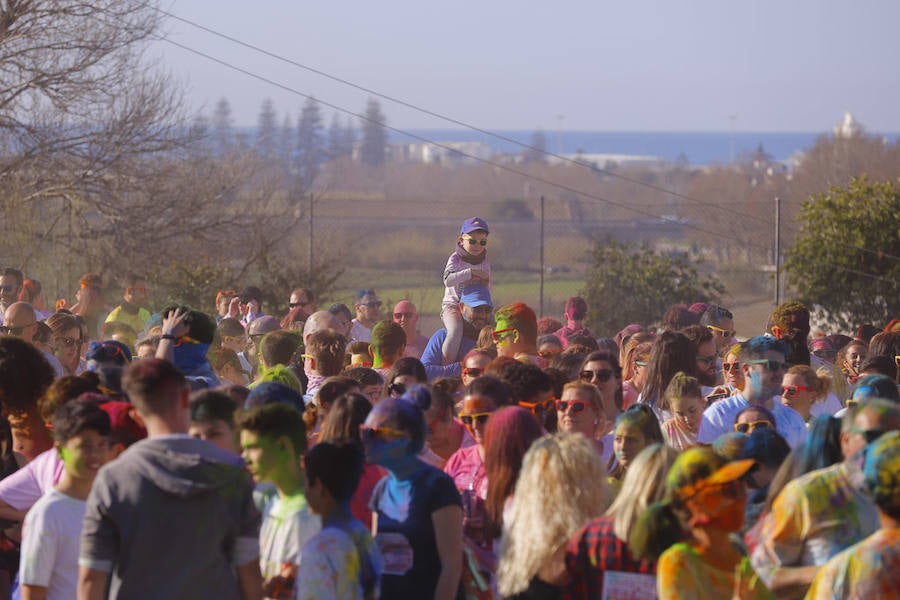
column 698, row 148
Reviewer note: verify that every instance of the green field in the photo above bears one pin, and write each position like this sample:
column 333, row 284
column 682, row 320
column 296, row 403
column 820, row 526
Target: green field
column 424, row 289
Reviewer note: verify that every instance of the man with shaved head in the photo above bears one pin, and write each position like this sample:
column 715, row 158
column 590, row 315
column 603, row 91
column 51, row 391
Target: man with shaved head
column 406, row 316
column 318, row 321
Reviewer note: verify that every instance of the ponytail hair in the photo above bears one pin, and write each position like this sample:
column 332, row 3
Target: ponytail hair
column 657, row 529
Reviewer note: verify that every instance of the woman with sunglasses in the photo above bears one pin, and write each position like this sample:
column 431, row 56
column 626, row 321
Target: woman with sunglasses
column 67, row 340
column 580, row 410
column 473, row 364
column 466, row 466
column 418, row 511
column 803, row 389
column 690, row 531
column 601, row 368
column 731, row 369
column 752, row 418
column 403, row 375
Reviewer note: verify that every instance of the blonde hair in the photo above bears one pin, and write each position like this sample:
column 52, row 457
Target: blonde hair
column 562, row 485
column 644, row 484
column 682, row 386
column 820, row 382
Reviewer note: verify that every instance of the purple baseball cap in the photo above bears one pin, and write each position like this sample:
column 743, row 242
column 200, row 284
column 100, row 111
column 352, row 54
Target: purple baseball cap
column 474, row 224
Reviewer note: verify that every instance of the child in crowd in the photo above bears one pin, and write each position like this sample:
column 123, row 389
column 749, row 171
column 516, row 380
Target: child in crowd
column 468, row 264
column 273, row 440
column 342, row 560
column 212, row 419
column 685, row 399
column 52, row 530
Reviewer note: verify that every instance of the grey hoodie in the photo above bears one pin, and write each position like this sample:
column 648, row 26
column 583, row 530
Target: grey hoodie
column 170, row 518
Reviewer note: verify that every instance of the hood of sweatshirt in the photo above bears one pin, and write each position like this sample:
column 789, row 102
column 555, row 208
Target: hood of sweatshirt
column 186, row 466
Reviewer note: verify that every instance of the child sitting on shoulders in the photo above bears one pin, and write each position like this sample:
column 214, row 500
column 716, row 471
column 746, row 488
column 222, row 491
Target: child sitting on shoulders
column 468, row 264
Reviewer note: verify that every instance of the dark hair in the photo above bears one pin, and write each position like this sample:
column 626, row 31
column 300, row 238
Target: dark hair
column 64, row 389
column 340, row 309
column 679, row 316
column 152, row 384
column 347, row 413
column 201, row 326
column 231, row 327
column 24, row 375
column 494, row 388
column 212, row 405
column 73, row 417
column 822, row 447
column 338, row 464
column 613, row 360
column 715, row 314
column 672, row 352
column 364, row 376
column 881, row 365
column 756, row 408
column 767, row 447
column 698, row 334
column 274, row 421
column 526, row 381
column 358, row 347
column 569, row 361
column 11, row 272
column 334, row 387
column 407, row 365
column 278, row 347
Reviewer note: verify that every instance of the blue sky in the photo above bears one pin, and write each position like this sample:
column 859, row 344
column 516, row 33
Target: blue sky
column 640, row 65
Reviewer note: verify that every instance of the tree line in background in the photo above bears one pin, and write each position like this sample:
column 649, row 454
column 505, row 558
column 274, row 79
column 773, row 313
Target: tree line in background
column 103, row 170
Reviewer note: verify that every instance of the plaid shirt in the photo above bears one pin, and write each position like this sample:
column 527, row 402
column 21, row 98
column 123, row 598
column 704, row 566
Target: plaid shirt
column 594, row 550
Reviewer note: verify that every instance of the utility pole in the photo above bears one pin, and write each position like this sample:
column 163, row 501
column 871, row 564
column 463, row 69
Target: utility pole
column 541, row 302
column 777, row 250
column 309, row 241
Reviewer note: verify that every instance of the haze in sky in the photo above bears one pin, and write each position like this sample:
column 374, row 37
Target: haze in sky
column 642, row 65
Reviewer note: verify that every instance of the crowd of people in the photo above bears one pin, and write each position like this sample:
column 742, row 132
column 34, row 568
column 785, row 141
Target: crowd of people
column 341, row 453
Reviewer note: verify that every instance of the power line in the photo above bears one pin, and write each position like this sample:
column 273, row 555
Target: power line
column 494, row 164
column 455, row 121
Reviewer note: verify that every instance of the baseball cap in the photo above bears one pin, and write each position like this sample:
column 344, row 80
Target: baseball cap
column 476, row 295
column 474, row 224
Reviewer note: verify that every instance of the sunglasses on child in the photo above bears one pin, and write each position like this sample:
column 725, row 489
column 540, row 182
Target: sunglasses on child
column 602, row 375
column 469, row 420
column 732, row 366
column 751, row 426
column 502, row 334
column 576, row 405
column 474, row 242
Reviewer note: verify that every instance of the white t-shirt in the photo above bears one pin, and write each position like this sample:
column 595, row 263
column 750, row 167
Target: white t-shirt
column 719, row 418
column 50, row 539
column 287, row 524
